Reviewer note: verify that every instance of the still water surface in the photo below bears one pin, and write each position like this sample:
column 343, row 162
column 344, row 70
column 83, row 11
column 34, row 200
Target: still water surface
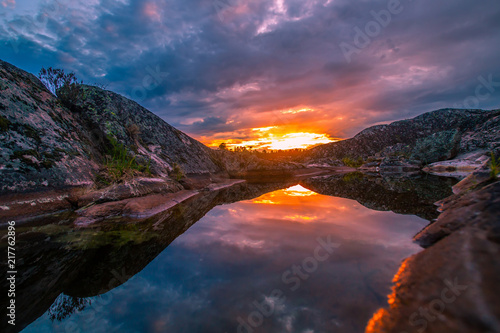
column 260, row 265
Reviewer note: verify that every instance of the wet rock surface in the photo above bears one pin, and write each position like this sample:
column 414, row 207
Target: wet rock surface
column 452, row 286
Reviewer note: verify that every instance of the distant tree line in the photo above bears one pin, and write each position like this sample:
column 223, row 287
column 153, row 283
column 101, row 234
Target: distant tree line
column 268, row 154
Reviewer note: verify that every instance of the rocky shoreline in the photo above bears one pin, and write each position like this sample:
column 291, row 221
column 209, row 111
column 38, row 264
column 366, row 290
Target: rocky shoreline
column 451, row 286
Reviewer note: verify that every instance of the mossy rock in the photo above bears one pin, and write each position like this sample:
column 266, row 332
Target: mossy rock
column 437, row 147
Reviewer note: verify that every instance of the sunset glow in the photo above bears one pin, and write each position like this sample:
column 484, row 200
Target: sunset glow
column 274, row 138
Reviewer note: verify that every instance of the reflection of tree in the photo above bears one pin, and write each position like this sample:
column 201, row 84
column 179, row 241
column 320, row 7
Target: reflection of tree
column 64, row 306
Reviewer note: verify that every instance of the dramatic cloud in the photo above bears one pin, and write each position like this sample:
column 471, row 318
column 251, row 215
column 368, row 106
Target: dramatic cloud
column 218, row 68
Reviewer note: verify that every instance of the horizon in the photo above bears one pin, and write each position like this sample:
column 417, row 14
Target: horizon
column 273, row 75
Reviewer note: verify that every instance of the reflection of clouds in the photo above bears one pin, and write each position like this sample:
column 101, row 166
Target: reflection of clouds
column 300, row 218
column 260, row 223
column 237, row 253
column 243, row 243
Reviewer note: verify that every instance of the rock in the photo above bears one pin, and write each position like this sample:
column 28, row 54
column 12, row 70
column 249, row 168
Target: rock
column 22, row 206
column 452, row 286
column 370, row 167
column 486, row 136
column 43, row 145
column 473, row 180
column 430, row 137
column 46, row 144
column 459, row 167
column 479, row 209
column 437, row 147
column 143, row 133
column 425, row 300
column 136, row 187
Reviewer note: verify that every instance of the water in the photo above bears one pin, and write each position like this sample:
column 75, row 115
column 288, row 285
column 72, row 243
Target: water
column 257, row 265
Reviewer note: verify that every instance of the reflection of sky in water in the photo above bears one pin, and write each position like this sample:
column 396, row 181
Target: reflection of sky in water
column 237, row 254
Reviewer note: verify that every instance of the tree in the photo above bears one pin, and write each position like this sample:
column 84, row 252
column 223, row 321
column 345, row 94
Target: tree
column 63, row 85
column 55, row 79
column 223, row 146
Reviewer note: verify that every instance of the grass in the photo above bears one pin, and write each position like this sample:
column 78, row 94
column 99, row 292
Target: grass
column 120, row 165
column 352, row 162
column 352, row 177
column 177, row 172
column 494, row 167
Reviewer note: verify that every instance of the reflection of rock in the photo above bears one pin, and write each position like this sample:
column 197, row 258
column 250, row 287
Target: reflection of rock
column 452, row 286
column 57, row 258
column 395, row 165
column 406, row 195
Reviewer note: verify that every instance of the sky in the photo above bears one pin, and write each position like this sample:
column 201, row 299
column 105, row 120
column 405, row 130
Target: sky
column 250, row 71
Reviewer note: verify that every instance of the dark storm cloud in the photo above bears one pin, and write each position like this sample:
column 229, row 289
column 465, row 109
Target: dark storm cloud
column 266, row 56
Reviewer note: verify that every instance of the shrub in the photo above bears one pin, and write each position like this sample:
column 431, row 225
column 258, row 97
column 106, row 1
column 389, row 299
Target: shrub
column 63, row 85
column 176, row 172
column 494, row 167
column 352, row 162
column 134, row 131
column 4, row 124
column 55, row 79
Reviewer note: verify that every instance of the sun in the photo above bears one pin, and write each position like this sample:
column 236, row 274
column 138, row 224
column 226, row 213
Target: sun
column 300, row 140
column 275, row 138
